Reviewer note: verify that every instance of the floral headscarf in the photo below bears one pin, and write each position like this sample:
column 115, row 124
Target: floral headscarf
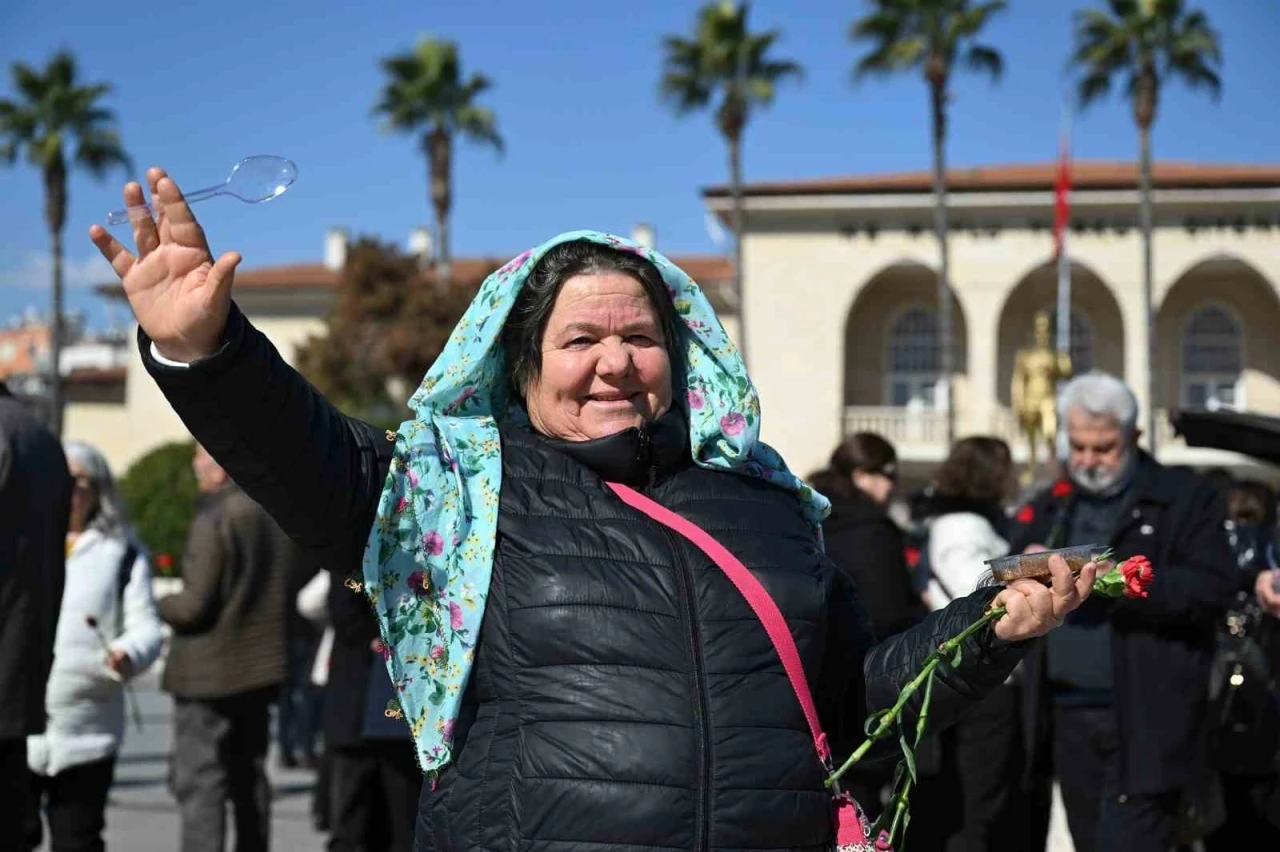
column 430, row 552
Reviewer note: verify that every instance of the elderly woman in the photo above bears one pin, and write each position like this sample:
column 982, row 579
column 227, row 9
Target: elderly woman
column 575, row 675
column 108, row 632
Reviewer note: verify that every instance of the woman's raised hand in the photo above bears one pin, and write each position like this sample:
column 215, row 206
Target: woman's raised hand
column 179, row 294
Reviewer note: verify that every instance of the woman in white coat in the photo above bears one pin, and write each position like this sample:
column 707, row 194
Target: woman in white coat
column 973, row 798
column 108, row 632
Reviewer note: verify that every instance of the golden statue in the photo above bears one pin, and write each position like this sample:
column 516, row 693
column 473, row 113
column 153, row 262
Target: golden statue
column 1036, row 373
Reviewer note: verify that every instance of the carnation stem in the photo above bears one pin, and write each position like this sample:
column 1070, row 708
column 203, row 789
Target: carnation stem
column 886, row 722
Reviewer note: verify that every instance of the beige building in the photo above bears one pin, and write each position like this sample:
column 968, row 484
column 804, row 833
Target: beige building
column 841, row 298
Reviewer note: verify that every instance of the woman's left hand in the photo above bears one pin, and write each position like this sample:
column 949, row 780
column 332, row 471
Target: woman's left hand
column 1034, row 609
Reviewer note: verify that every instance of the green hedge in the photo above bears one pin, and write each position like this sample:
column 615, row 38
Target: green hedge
column 160, row 491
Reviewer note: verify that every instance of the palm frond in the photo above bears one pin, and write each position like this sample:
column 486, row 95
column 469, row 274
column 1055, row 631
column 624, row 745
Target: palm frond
column 99, row 150
column 970, row 21
column 1195, row 74
column 984, row 60
column 30, row 83
column 1092, row 88
column 480, row 124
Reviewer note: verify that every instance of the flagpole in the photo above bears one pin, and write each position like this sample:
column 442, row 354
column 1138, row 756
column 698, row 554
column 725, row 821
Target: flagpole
column 1064, row 263
column 1064, row 274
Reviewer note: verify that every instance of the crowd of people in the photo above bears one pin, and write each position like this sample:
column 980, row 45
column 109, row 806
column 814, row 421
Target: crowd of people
column 1157, row 719
column 523, row 611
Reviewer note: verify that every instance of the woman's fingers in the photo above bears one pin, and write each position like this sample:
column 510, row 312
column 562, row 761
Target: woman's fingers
column 117, row 255
column 180, row 225
column 1039, row 600
column 146, row 237
column 1084, row 583
column 222, row 275
column 153, row 179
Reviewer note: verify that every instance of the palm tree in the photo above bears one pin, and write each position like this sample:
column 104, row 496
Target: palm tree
column 931, row 36
column 1147, row 42
column 427, row 94
column 727, row 63
column 51, row 112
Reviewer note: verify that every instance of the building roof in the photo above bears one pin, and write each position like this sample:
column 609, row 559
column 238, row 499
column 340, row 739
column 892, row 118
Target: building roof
column 1085, row 175
column 705, row 269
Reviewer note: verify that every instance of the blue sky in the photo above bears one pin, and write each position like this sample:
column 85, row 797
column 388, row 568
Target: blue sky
column 589, row 144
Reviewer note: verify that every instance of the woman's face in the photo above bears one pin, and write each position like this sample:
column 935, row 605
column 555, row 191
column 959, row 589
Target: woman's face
column 84, row 498
column 604, row 361
column 878, row 486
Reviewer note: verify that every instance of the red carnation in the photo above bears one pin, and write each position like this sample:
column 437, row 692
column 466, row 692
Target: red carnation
column 1138, row 575
column 164, row 561
column 1061, row 488
column 1026, row 514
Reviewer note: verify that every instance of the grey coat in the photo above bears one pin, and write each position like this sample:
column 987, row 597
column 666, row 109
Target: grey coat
column 35, row 503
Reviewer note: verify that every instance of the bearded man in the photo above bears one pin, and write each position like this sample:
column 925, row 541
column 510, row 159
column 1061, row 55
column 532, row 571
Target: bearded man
column 1115, row 699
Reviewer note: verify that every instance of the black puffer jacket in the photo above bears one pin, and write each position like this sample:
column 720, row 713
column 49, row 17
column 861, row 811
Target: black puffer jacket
column 624, row 696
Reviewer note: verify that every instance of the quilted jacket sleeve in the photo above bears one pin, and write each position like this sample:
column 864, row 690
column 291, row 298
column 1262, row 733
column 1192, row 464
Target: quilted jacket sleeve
column 860, row 676
column 315, row 470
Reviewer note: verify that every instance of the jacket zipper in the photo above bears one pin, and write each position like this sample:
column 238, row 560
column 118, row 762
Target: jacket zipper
column 684, row 582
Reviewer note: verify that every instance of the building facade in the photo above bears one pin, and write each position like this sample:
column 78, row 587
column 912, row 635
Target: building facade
column 841, row 299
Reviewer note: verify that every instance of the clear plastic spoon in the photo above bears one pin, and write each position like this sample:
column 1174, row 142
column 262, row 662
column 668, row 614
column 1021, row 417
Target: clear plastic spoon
column 252, row 180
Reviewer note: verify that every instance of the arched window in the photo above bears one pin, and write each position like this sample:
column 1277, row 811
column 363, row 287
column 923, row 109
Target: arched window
column 914, row 358
column 1212, row 359
column 1081, row 340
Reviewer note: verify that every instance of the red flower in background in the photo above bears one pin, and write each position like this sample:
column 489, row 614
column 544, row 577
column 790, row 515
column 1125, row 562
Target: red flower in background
column 912, row 555
column 1025, row 515
column 1138, row 575
column 1061, row 488
column 164, row 561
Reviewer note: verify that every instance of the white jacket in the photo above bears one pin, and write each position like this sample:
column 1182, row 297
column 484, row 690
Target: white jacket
column 84, row 700
column 959, row 545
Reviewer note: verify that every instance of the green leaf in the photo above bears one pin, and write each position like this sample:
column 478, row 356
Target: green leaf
column 908, row 755
column 955, row 660
column 873, row 721
column 437, row 694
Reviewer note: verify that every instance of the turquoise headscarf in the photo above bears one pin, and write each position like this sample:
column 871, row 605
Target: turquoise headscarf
column 430, row 552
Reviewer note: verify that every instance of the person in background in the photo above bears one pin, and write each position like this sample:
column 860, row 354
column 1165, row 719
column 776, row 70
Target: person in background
column 1116, row 698
column 298, row 711
column 226, row 663
column 312, row 603
column 1245, row 745
column 971, row 799
column 861, row 539
column 374, row 780
column 864, row 542
column 35, row 506
column 108, row 633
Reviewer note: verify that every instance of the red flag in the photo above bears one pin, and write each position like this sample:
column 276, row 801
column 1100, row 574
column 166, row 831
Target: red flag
column 1061, row 197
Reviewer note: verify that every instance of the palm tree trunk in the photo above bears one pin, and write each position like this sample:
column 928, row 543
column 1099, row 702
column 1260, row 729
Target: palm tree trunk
column 1148, row 303
column 739, row 218
column 55, row 340
column 937, row 95
column 439, row 155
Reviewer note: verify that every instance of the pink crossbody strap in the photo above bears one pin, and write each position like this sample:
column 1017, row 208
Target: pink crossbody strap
column 763, row 606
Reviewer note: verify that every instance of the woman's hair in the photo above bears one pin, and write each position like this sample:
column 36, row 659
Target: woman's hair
column 1251, row 503
column 861, row 451
column 977, row 469
column 527, row 322
column 111, row 518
